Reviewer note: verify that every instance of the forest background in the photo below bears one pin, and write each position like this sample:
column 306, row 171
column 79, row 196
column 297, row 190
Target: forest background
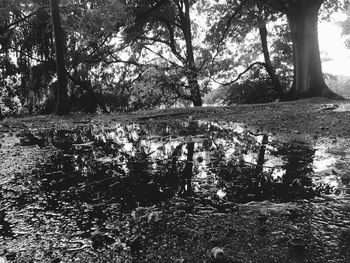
column 119, row 55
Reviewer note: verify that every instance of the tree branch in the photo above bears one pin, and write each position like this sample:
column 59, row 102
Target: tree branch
column 240, row 74
column 25, row 54
column 225, row 32
column 159, row 55
column 229, row 22
column 25, row 17
column 173, row 44
column 97, row 48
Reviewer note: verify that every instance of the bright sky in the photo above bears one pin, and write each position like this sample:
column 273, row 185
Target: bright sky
column 333, row 47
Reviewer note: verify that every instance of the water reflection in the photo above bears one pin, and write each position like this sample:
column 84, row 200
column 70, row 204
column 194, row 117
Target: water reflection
column 142, row 164
column 5, row 228
column 332, row 166
column 97, row 173
column 296, row 180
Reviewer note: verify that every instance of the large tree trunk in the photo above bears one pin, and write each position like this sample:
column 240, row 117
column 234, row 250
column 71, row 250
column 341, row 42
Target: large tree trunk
column 195, row 89
column 308, row 78
column 268, row 65
column 62, row 106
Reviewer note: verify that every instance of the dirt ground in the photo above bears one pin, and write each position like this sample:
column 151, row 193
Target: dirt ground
column 317, row 117
column 302, row 231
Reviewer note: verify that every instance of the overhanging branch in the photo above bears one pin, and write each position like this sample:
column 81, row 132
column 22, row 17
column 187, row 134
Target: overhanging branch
column 172, row 43
column 160, row 55
column 240, row 74
column 25, row 17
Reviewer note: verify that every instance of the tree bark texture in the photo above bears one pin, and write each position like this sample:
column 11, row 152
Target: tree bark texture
column 268, row 65
column 195, row 88
column 308, row 78
column 62, row 106
column 192, row 71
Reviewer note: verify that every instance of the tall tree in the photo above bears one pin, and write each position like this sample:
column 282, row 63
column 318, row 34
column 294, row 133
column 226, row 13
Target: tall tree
column 235, row 20
column 303, row 20
column 168, row 23
column 62, row 106
column 302, row 16
column 192, row 70
column 26, row 33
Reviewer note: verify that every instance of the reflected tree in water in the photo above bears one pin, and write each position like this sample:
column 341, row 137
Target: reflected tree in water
column 246, row 182
column 296, row 182
column 187, row 173
column 98, row 171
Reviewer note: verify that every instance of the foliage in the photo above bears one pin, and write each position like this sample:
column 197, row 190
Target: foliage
column 154, row 88
column 29, row 42
column 235, row 27
column 282, row 52
column 141, row 54
column 345, row 26
column 169, row 31
column 257, row 89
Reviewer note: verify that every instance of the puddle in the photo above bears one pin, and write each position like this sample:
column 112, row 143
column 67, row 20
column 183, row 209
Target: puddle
column 135, row 164
column 97, row 174
column 343, row 107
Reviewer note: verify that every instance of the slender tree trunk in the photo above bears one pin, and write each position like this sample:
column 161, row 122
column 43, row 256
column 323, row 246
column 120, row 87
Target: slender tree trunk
column 308, row 78
column 268, row 65
column 62, row 106
column 1, row 117
column 192, row 74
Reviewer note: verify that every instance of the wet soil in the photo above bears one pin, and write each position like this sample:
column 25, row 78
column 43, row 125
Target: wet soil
column 268, row 183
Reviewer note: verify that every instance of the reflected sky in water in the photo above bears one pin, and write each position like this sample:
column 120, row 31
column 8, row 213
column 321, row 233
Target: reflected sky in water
column 225, row 148
column 151, row 162
column 96, row 174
